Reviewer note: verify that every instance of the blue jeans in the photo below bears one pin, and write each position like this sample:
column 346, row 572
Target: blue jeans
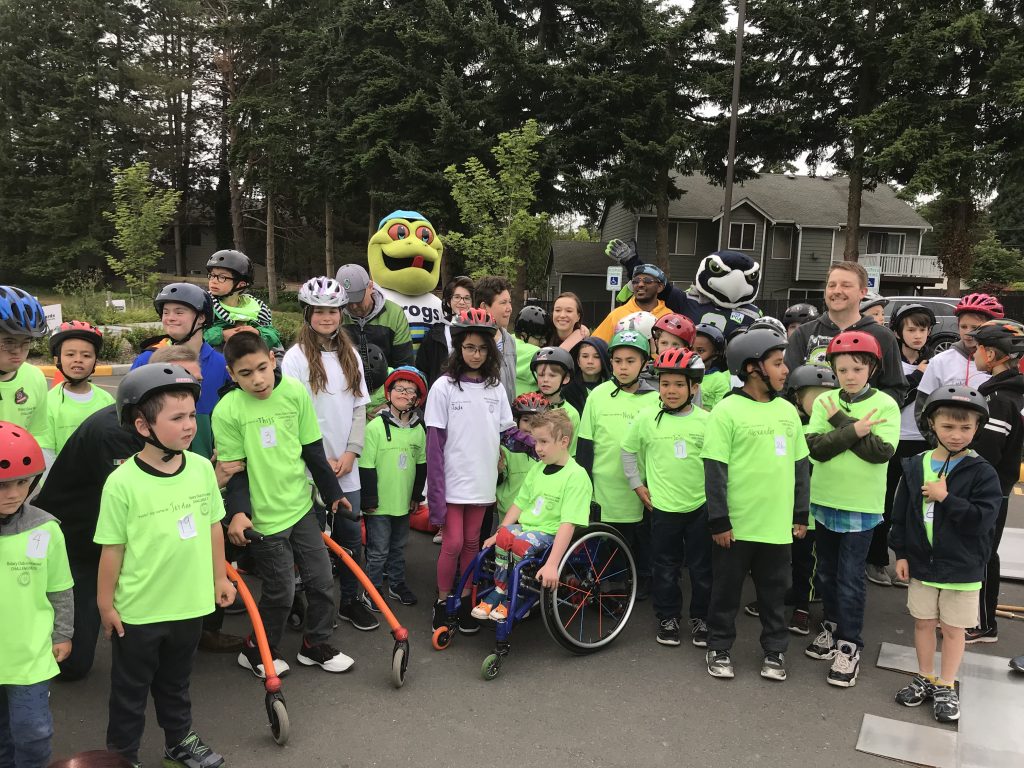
column 678, row 538
column 386, row 536
column 841, row 561
column 26, row 725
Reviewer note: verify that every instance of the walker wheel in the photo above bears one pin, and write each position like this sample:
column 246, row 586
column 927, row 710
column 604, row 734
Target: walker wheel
column 491, row 667
column 399, row 664
column 441, row 638
column 279, row 725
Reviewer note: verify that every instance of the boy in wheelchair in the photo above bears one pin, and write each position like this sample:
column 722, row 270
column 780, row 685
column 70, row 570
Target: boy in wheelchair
column 553, row 500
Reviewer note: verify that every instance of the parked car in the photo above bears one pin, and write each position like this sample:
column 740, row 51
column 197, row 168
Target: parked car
column 945, row 332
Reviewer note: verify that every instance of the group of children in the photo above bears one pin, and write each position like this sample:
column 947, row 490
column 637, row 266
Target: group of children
column 704, row 453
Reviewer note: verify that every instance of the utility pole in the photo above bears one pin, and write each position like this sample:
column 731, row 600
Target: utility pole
column 741, row 15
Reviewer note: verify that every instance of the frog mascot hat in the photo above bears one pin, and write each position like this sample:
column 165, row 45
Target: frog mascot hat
column 404, row 256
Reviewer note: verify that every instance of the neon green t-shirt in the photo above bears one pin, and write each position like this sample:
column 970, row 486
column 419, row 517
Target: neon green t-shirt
column 395, row 462
column 761, row 443
column 669, row 450
column 23, row 402
column 605, row 422
column 164, row 524
column 548, row 500
column 810, row 518
column 574, row 417
column 65, row 413
column 524, row 376
column 928, row 512
column 269, row 435
column 846, row 481
column 517, row 465
column 34, row 562
column 713, row 388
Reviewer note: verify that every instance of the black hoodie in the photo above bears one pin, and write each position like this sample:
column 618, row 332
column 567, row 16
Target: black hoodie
column 1001, row 441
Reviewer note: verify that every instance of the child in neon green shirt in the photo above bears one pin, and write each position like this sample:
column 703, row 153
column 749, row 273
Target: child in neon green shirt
column 513, row 466
column 230, row 273
column 75, row 348
column 23, row 387
column 552, row 369
column 709, row 343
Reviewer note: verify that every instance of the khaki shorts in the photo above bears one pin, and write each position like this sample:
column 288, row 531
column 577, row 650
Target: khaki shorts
column 950, row 606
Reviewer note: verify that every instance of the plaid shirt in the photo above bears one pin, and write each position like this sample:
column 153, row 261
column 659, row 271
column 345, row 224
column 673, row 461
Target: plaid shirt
column 841, row 521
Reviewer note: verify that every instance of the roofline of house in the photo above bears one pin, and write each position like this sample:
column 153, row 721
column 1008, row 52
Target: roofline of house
column 752, row 204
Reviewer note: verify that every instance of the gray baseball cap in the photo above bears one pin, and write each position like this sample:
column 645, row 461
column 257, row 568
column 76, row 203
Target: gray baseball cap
column 354, row 280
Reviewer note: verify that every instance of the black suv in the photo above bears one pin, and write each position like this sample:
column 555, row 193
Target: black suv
column 945, row 332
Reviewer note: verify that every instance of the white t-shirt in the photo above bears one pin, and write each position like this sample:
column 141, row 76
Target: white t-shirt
column 333, row 406
column 951, row 369
column 474, row 417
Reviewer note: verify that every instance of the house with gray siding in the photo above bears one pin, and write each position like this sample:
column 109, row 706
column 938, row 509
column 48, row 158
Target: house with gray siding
column 794, row 226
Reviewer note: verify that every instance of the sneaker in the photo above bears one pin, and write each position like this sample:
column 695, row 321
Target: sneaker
column 824, row 645
column 482, row 611
column 402, row 594
column 877, row 574
column 192, row 752
column 367, row 601
column 356, row 613
column 979, row 635
column 668, row 632
column 699, row 633
column 499, row 612
column 916, row 692
column 220, row 642
column 800, row 622
column 325, row 656
column 845, row 665
column 437, row 538
column 249, row 658
column 946, row 704
column 751, row 609
column 774, row 666
column 467, row 625
column 719, row 664
column 898, row 582
column 440, row 615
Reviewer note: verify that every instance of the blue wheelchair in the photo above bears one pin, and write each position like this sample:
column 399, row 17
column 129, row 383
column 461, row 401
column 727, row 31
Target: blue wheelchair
column 587, row 610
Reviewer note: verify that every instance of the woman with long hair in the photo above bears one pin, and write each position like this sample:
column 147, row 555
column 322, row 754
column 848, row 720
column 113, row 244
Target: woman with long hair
column 567, row 328
column 325, row 360
column 436, row 347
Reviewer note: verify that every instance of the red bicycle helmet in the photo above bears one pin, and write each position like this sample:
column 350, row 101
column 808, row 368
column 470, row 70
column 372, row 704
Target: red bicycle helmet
column 76, row 329
column 982, row 304
column 530, row 402
column 854, row 341
column 475, row 319
column 679, row 326
column 684, row 361
column 410, row 374
column 20, row 454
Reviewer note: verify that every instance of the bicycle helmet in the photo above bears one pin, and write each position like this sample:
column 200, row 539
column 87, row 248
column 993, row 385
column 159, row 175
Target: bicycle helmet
column 684, row 361
column 676, row 325
column 322, row 292
column 854, row 341
column 233, row 261
column 633, row 339
column 961, row 397
column 21, row 314
column 553, row 355
column 529, row 403
column 375, row 366
column 981, row 304
column 752, row 347
column 148, row 380
column 714, row 333
column 532, row 321
column 641, row 321
column 20, row 454
column 475, row 319
column 75, row 329
column 769, row 322
column 800, row 313
column 1004, row 336
column 191, row 296
column 901, row 313
column 872, row 299
column 810, row 376
column 410, row 374
column 651, row 270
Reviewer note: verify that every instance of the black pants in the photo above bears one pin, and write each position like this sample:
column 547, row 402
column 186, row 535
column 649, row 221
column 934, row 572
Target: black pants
column 87, row 622
column 679, row 537
column 990, row 586
column 879, row 552
column 151, row 658
column 638, row 536
column 769, row 567
column 805, row 573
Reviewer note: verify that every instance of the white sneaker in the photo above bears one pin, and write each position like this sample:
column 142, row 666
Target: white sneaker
column 437, row 538
column 325, row 656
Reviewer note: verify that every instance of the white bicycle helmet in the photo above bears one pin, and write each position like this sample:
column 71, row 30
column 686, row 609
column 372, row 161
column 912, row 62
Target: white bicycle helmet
column 641, row 322
column 322, row 292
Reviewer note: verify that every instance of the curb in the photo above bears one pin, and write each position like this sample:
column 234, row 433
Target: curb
column 49, row 371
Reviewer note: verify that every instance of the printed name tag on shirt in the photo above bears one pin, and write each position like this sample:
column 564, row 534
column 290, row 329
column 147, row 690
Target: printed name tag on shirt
column 780, row 445
column 929, row 512
column 538, row 505
column 403, row 460
column 187, row 527
column 268, row 436
column 680, row 449
column 38, row 543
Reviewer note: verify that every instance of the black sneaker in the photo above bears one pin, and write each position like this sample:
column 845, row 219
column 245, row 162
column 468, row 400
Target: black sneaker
column 719, row 664
column 668, row 632
column 774, row 666
column 916, row 692
column 751, row 609
column 356, row 613
column 979, row 635
column 946, row 704
column 800, row 622
column 402, row 594
column 845, row 665
column 192, row 752
column 467, row 624
column 824, row 645
column 325, row 656
column 440, row 615
column 699, row 633
column 249, row 658
column 367, row 601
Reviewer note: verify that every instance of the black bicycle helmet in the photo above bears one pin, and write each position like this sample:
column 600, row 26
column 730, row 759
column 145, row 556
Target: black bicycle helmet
column 233, row 261
column 148, row 380
column 554, row 355
column 810, row 376
column 714, row 333
column 375, row 366
column 532, row 321
column 961, row 397
column 800, row 313
column 752, row 346
column 1003, row 335
column 188, row 294
column 902, row 312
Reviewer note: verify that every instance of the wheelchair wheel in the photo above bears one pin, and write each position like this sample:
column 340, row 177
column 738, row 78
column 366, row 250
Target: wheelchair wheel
column 491, row 667
column 441, row 638
column 595, row 593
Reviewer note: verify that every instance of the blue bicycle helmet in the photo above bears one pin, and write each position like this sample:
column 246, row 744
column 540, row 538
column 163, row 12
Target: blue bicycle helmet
column 21, row 314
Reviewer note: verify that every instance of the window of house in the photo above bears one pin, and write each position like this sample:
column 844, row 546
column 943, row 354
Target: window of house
column 741, row 236
column 886, row 242
column 804, row 294
column 682, row 238
column 782, row 242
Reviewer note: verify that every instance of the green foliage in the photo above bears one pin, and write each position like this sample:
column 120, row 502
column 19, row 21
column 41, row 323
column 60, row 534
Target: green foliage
column 141, row 213
column 994, row 265
column 84, row 299
column 287, row 325
column 496, row 208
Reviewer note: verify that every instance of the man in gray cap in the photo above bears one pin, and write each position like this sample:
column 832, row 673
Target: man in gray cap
column 373, row 321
